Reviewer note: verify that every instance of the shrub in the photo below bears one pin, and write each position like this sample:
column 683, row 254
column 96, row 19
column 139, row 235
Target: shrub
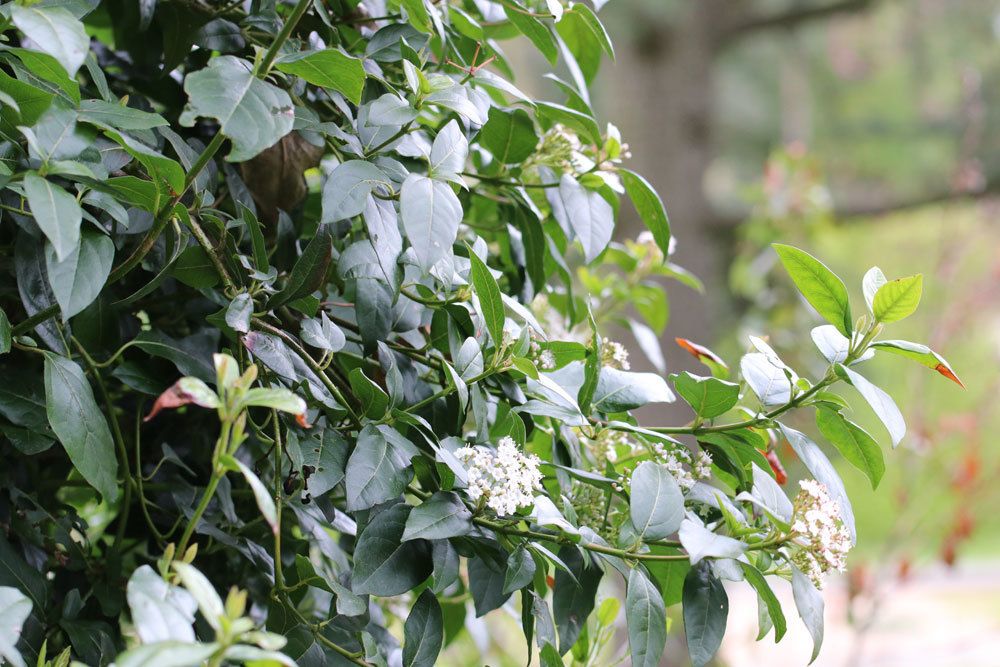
column 384, row 276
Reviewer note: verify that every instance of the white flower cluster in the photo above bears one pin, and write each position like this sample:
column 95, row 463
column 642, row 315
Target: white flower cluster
column 685, row 469
column 614, row 355
column 819, row 531
column 544, row 359
column 682, row 466
column 506, row 478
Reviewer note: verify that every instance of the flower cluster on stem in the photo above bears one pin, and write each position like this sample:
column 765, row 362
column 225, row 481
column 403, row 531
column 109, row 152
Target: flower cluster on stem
column 505, row 478
column 819, row 532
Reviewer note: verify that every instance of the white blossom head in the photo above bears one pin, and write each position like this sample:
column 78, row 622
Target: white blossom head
column 504, row 479
column 819, row 532
column 614, row 355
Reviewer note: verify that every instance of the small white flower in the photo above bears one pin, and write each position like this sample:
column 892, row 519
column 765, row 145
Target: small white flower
column 614, row 355
column 506, row 477
column 819, row 532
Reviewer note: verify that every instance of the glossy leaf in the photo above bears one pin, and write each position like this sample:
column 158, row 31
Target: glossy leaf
column 80, row 425
column 819, row 285
column 646, row 617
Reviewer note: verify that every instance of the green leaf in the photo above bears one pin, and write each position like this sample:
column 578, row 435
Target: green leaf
column 921, row 354
column 119, row 116
column 574, row 595
column 276, row 398
column 624, row 390
column 533, row 29
column 49, row 69
column 706, row 609
column 441, row 516
column 490, row 303
column 656, row 502
column 819, row 285
column 881, row 403
column 646, row 617
column 809, row 602
column 55, row 31
column 239, row 311
column 449, row 152
column 265, row 503
column 167, row 654
column 417, row 14
column 5, row 333
column 346, row 191
column 253, row 114
column 870, row 285
column 322, row 333
column 709, row 396
column 80, row 425
column 373, row 399
column 423, row 632
column 160, row 611
column 15, row 607
column 581, row 122
column 766, row 380
column 521, row 568
column 56, row 212
column 79, row 278
column 195, row 268
column 589, row 215
column 853, row 443
column 770, row 600
column 509, row 135
column 384, row 564
column 326, row 452
column 378, row 468
column 431, row 213
column 486, row 582
column 897, row 299
column 649, row 206
column 309, row 272
column 328, row 68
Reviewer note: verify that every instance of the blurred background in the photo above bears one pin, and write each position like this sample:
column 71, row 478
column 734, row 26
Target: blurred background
column 868, row 133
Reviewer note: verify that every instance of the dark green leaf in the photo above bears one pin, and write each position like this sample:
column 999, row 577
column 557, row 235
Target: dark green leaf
column 79, row 424
column 309, row 271
column 706, row 610
column 441, row 516
column 649, row 206
column 79, row 278
column 423, row 632
column 57, row 213
column 490, row 303
column 253, row 114
column 656, row 502
column 378, row 469
column 384, row 564
column 520, row 570
column 647, row 619
column 777, row 616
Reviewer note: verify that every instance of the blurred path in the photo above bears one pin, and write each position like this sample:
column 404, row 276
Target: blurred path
column 939, row 618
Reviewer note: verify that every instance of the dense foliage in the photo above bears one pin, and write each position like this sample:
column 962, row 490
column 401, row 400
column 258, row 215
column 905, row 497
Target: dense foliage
column 384, row 276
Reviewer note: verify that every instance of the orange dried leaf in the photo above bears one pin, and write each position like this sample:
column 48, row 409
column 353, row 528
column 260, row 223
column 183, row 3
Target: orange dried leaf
column 950, row 374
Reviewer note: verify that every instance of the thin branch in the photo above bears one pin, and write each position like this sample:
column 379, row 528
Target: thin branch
column 791, row 19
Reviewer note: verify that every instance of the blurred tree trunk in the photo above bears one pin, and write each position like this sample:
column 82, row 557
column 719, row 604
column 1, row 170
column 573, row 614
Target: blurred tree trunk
column 666, row 74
